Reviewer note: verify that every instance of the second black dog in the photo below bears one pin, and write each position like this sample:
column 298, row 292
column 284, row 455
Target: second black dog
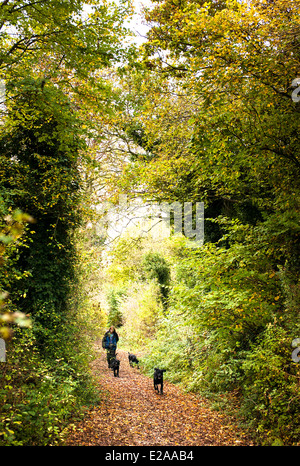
column 158, row 379
column 115, row 366
column 132, row 359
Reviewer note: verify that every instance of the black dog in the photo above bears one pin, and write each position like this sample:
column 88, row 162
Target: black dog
column 132, row 359
column 158, row 379
column 115, row 366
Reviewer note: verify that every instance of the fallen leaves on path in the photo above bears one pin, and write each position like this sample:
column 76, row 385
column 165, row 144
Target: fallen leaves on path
column 132, row 413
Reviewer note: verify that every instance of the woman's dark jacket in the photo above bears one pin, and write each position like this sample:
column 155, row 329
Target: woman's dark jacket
column 110, row 343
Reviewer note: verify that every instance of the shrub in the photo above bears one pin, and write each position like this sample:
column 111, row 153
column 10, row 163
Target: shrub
column 271, row 398
column 39, row 398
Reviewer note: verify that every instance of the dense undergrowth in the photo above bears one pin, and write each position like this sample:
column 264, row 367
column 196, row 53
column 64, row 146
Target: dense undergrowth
column 228, row 331
column 41, row 398
column 47, row 319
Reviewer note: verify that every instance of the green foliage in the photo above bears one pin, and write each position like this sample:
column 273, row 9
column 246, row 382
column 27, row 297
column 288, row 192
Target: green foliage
column 229, row 330
column 114, row 317
column 60, row 36
column 45, row 181
column 47, row 395
column 142, row 313
column 140, row 274
column 271, row 387
column 156, row 267
column 46, row 377
column 12, row 229
column 209, row 116
column 171, row 349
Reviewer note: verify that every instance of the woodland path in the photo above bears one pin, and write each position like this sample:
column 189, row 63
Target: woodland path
column 132, row 413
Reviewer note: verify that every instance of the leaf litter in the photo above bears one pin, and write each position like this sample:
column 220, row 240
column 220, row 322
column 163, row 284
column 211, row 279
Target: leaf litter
column 131, row 413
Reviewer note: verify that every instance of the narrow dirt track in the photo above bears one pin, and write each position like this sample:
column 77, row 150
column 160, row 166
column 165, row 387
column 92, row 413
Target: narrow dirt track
column 132, row 413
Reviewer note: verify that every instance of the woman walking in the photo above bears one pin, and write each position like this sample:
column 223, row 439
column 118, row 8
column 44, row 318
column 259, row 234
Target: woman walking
column 109, row 342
